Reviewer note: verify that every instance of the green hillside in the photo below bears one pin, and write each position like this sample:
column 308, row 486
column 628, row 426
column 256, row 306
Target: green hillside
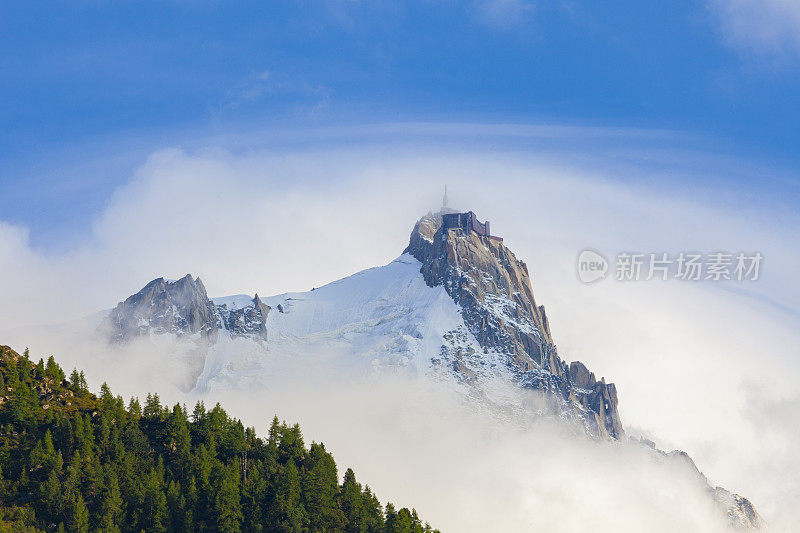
column 73, row 461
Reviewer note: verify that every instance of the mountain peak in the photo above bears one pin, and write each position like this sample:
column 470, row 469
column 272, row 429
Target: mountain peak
column 182, row 307
column 493, row 289
column 164, row 306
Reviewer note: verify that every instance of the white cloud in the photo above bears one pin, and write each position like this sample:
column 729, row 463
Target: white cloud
column 763, row 26
column 697, row 367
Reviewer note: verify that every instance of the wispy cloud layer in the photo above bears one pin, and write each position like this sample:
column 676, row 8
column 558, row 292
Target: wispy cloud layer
column 763, row 26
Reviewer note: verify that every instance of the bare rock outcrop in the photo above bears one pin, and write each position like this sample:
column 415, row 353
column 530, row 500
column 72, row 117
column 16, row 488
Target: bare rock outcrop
column 247, row 321
column 183, row 308
column 493, row 289
column 179, row 307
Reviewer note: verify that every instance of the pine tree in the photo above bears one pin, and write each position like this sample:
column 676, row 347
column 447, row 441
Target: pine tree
column 106, row 397
column 254, row 496
column 37, row 457
column 154, row 509
column 321, row 489
column 49, row 447
column 191, row 506
column 77, row 514
column 391, row 519
column 287, row 509
column 199, row 412
column 152, row 407
column 105, row 432
column 134, row 407
column 179, row 442
column 75, row 379
column 54, row 371
column 351, row 503
column 176, row 505
column 50, row 500
column 227, row 505
column 405, row 522
column 291, row 444
column 372, row 511
column 24, row 403
column 110, row 502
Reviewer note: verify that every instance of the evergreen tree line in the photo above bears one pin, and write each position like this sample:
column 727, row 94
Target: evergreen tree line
column 72, row 461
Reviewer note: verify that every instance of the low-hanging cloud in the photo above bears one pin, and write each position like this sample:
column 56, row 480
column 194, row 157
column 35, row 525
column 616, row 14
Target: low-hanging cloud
column 697, row 367
column 416, row 444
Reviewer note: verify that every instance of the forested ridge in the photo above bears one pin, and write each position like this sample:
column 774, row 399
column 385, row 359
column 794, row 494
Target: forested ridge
column 73, row 461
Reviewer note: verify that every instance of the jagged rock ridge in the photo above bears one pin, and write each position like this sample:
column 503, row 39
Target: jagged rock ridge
column 493, row 290
column 183, row 308
column 246, row 321
column 180, row 307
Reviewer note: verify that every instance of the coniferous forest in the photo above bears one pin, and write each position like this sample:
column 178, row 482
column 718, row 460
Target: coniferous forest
column 73, row 461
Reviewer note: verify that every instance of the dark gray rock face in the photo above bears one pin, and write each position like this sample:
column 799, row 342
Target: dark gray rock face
column 181, row 307
column 580, row 376
column 493, row 289
column 247, row 321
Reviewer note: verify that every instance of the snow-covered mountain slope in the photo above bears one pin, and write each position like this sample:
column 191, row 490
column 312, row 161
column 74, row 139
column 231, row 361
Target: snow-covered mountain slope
column 384, row 319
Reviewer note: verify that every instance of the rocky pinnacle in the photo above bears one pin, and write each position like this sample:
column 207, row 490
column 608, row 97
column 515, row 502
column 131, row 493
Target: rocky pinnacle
column 493, row 289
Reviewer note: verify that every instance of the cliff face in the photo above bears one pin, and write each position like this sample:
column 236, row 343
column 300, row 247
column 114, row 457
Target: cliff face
column 246, row 321
column 493, row 289
column 183, row 308
column 180, row 307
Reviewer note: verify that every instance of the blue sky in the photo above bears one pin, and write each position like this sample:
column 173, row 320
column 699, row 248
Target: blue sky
column 89, row 88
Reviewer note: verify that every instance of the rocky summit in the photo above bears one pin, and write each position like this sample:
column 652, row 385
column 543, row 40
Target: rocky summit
column 493, row 290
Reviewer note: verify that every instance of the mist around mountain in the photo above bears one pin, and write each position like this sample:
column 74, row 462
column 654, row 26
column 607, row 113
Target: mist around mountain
column 456, row 310
column 502, row 459
column 455, row 307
